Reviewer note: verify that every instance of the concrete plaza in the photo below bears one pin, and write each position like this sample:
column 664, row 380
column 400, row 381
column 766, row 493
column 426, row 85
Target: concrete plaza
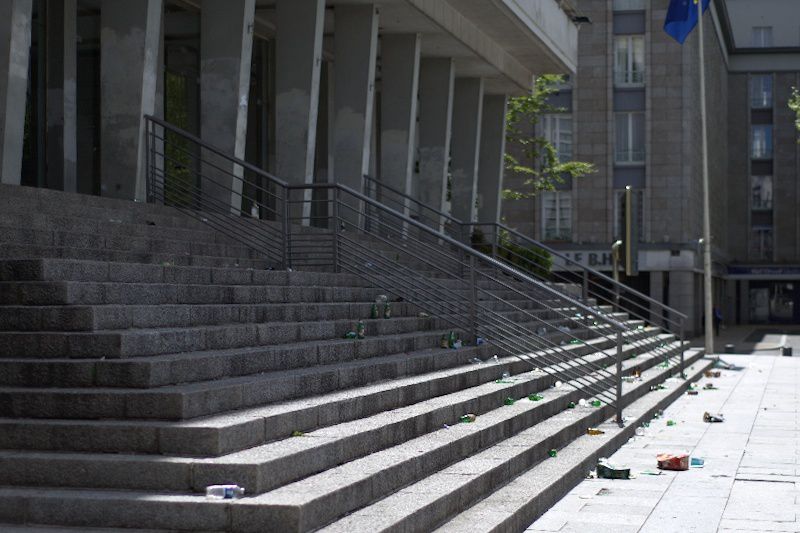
column 751, row 473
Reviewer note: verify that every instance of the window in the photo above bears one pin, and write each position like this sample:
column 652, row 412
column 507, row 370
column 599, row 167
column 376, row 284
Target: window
column 761, row 243
column 557, row 216
column 761, row 91
column 629, row 138
column 619, row 213
column 762, row 36
column 762, row 141
column 629, row 60
column 558, row 130
column 761, row 193
column 629, row 5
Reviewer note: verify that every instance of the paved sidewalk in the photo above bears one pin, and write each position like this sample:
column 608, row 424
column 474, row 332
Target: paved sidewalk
column 751, row 479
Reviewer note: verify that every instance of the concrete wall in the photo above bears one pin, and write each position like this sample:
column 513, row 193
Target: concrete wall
column 786, row 171
column 738, row 185
column 594, row 125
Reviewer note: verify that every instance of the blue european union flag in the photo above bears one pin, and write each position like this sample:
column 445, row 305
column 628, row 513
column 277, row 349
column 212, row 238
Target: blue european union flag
column 682, row 18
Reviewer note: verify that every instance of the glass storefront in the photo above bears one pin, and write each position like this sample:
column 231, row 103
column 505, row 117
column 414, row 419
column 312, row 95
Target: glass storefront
column 774, row 301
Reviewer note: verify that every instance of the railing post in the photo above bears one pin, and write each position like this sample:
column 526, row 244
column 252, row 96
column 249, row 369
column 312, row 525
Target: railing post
column 619, row 379
column 148, row 126
column 473, row 300
column 495, row 240
column 336, row 227
column 585, row 291
column 287, row 259
column 683, row 348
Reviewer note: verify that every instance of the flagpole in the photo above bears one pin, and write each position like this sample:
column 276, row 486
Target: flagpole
column 707, row 278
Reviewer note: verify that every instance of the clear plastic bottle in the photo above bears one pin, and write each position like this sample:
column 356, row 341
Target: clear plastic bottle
column 224, row 492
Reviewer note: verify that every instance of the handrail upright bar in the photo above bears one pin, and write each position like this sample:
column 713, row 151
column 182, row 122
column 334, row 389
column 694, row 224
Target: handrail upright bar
column 473, row 300
column 620, row 420
column 335, row 229
column 286, row 252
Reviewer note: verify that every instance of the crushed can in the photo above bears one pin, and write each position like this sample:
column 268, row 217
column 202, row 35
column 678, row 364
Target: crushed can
column 668, row 461
column 713, row 418
column 606, row 470
column 361, row 330
column 595, row 431
column 468, row 418
column 692, row 392
column 443, row 341
column 712, row 373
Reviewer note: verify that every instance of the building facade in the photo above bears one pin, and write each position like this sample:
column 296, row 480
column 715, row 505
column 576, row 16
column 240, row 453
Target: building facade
column 633, row 111
column 310, row 90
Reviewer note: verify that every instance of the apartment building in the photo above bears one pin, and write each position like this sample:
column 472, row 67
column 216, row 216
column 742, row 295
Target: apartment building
column 633, row 111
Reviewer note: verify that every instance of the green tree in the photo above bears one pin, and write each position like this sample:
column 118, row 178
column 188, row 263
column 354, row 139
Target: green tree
column 531, row 155
column 794, row 105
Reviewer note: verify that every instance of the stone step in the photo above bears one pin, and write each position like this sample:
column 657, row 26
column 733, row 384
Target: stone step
column 123, row 243
column 428, row 503
column 22, row 251
column 185, row 367
column 174, row 402
column 518, row 504
column 435, row 372
column 91, row 293
column 272, row 465
column 317, row 500
column 105, row 317
column 264, row 513
column 53, row 269
column 75, row 318
column 109, row 227
column 114, row 344
column 20, row 200
column 200, row 398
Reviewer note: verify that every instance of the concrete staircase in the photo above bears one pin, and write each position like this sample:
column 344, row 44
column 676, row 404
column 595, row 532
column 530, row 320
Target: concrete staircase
column 144, row 357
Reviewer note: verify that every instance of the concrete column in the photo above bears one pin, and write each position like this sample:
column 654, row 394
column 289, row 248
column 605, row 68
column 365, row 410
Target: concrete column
column 298, row 57
column 15, row 45
column 356, row 46
column 682, row 297
column 436, row 80
column 729, row 303
column 465, row 149
column 226, row 49
column 62, row 59
column 129, row 39
column 657, row 294
column 491, row 163
column 744, row 301
column 399, row 87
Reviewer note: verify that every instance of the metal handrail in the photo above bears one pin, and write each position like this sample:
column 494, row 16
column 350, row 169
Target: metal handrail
column 535, row 244
column 476, row 293
column 617, row 294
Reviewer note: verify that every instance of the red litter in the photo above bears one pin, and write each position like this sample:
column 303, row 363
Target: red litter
column 668, row 461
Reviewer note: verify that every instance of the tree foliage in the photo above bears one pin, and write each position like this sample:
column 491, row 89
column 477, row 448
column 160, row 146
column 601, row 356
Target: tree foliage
column 794, row 105
column 532, row 155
